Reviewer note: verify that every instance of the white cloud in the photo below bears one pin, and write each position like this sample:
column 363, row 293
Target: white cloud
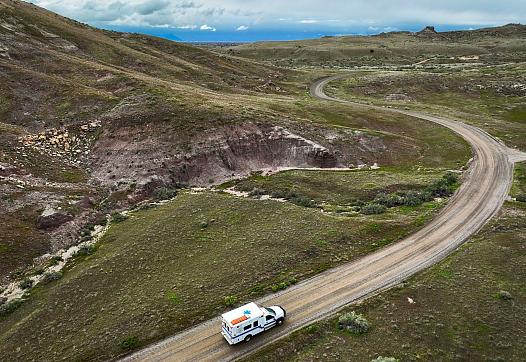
column 279, row 14
column 389, row 29
column 190, row 27
column 242, row 28
column 206, row 27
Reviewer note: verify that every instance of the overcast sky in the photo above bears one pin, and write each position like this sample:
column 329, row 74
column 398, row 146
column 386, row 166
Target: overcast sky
column 309, row 16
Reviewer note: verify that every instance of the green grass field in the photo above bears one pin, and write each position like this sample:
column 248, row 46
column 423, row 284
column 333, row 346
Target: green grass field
column 151, row 274
column 340, row 187
column 518, row 188
column 461, row 308
column 458, row 314
column 490, row 97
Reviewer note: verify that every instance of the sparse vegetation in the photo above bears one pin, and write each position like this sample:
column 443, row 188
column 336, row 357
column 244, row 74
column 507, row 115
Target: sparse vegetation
column 118, row 217
column 385, row 359
column 257, row 193
column 85, row 250
column 50, row 277
column 353, row 322
column 392, row 49
column 283, row 284
column 230, row 300
column 26, row 283
column 344, row 192
column 130, row 343
column 518, row 189
column 440, row 188
column 373, row 209
column 9, row 307
column 165, row 268
column 149, row 248
column 470, row 280
column 173, row 297
column 165, row 193
column 490, row 97
column 54, row 260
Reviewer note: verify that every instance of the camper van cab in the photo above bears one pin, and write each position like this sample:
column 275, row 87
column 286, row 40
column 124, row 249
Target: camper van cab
column 245, row 322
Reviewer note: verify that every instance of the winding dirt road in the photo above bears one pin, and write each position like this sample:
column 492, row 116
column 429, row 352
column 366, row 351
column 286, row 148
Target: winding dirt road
column 481, row 195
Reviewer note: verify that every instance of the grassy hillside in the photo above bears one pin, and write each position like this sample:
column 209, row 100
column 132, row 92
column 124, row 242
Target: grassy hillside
column 490, row 97
column 170, row 267
column 94, row 121
column 494, row 45
column 469, row 307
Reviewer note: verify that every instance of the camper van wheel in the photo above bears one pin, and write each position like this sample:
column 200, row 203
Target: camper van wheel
column 279, row 322
column 248, row 338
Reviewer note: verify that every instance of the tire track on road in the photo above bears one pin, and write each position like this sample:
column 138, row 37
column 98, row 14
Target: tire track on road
column 481, row 195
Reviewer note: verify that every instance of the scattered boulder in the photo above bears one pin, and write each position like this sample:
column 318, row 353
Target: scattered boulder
column 51, row 218
column 85, row 203
column 504, row 295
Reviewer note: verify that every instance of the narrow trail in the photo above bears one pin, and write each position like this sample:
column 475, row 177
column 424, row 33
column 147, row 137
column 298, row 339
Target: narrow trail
column 483, row 192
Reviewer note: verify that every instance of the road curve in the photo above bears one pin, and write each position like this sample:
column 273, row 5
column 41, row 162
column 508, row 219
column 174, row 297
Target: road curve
column 481, row 195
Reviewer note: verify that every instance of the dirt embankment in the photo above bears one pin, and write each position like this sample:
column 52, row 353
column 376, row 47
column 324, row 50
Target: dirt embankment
column 217, row 155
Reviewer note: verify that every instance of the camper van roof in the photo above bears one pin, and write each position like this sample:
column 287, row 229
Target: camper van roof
column 250, row 310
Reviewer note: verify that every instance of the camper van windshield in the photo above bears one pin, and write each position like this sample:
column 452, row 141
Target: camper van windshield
column 270, row 311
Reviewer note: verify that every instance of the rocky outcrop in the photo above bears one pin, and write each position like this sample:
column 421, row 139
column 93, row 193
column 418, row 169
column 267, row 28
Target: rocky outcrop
column 51, row 219
column 214, row 156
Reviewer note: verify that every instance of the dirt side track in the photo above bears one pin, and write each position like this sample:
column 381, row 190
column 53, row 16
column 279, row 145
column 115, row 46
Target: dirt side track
column 481, row 195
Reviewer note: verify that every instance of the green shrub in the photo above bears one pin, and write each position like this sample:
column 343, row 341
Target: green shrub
column 257, row 289
column 412, row 198
column 353, row 322
column 26, row 283
column 85, row 250
column 257, row 193
column 173, row 297
column 440, row 188
column 388, row 200
column 10, row 306
column 38, row 270
column 302, row 201
column 284, row 194
column 86, row 230
column 50, row 277
column 443, row 187
column 230, row 300
column 117, row 217
column 165, row 193
column 504, row 295
column 385, row 359
column 313, row 328
column 373, row 209
column 130, row 343
column 55, row 260
column 280, row 194
column 451, row 178
column 283, row 284
column 521, row 198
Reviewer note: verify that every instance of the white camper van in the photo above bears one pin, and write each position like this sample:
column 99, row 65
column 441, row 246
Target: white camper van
column 245, row 322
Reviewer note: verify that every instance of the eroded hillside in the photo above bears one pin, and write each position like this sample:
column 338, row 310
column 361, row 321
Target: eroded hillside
column 94, row 121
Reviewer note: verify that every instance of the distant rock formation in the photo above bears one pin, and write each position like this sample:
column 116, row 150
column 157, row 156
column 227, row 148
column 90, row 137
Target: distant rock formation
column 427, row 31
